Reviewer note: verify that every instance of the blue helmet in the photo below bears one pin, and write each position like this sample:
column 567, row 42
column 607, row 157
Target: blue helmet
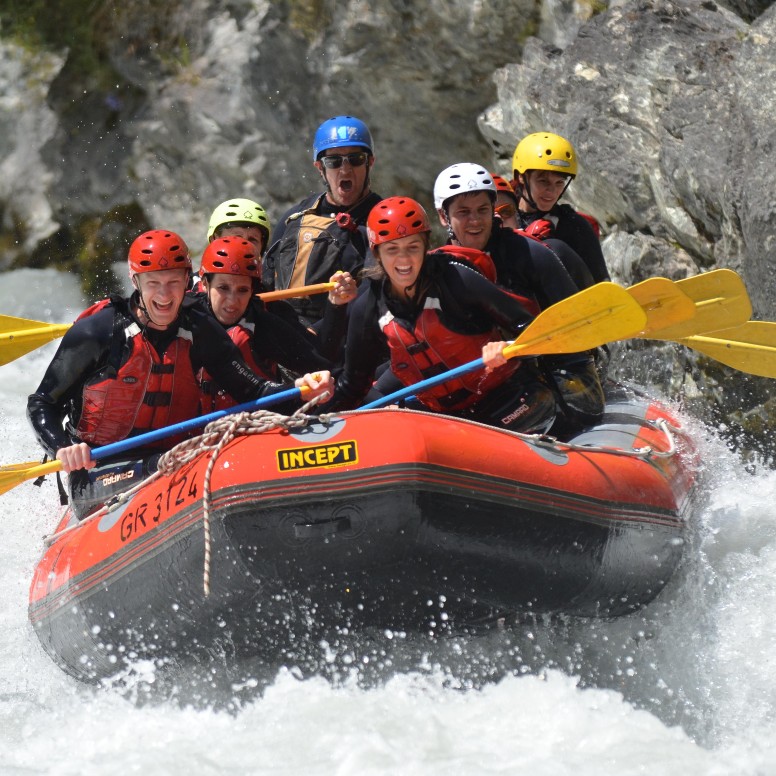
column 339, row 132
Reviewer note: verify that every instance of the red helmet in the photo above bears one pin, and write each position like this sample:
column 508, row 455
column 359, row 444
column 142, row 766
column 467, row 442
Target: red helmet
column 231, row 256
column 502, row 184
column 158, row 250
column 395, row 217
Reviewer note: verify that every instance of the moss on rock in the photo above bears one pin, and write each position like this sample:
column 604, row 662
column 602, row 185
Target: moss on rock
column 91, row 247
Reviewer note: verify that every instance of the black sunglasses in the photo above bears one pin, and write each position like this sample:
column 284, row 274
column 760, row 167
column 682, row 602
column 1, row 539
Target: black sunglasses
column 334, row 162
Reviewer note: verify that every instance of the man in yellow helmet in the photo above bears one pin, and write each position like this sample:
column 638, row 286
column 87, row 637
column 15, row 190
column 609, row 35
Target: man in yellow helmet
column 544, row 164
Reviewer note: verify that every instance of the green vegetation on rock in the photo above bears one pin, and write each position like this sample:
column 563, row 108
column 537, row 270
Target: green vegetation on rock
column 91, row 247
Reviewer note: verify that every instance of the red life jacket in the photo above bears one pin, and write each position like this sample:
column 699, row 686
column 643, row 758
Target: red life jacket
column 484, row 264
column 593, row 221
column 480, row 260
column 430, row 348
column 142, row 393
column 213, row 397
column 96, row 307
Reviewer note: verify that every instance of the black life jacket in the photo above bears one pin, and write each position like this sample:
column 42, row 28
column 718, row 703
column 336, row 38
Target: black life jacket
column 312, row 248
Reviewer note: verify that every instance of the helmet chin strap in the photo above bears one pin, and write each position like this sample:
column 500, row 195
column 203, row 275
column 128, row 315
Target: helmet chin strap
column 525, row 193
column 366, row 179
column 141, row 303
column 206, row 286
column 207, row 299
column 449, row 227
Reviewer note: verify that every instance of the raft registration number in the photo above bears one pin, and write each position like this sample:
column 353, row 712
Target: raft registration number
column 315, row 456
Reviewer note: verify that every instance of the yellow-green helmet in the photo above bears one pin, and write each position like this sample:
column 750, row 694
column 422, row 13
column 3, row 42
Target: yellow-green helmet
column 545, row 151
column 239, row 211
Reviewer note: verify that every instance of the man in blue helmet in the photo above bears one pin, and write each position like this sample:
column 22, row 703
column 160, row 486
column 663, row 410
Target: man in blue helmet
column 326, row 231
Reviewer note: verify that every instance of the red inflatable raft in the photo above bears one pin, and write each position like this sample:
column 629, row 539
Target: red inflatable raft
column 391, row 518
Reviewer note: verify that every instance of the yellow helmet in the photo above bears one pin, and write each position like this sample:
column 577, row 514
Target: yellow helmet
column 545, row 151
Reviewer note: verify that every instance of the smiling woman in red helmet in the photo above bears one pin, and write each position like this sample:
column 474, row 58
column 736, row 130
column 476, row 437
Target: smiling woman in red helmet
column 246, row 220
column 433, row 312
column 129, row 365
column 231, row 276
column 544, row 164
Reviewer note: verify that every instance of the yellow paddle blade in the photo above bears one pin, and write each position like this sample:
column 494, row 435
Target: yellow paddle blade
column 16, row 473
column 602, row 313
column 19, row 336
column 663, row 302
column 8, row 323
column 750, row 347
column 15, row 467
column 721, row 301
column 289, row 293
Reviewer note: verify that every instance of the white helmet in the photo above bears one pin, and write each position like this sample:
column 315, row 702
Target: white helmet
column 463, row 178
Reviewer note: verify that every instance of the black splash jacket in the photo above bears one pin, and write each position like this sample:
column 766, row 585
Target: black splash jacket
column 89, row 352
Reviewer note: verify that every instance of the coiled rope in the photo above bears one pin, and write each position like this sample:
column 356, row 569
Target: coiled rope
column 215, row 437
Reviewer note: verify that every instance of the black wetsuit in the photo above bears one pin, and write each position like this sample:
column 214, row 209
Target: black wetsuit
column 529, row 268
column 575, row 231
column 87, row 350
column 279, row 338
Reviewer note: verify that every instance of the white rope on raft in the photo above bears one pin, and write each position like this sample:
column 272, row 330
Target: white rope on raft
column 213, row 440
column 638, row 452
column 549, row 442
column 215, row 436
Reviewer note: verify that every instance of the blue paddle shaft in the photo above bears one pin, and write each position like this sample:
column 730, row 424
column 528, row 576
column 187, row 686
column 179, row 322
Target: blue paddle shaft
column 478, row 363
column 187, row 425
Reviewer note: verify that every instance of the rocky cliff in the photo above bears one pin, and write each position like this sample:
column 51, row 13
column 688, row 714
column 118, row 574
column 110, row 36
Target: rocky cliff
column 117, row 118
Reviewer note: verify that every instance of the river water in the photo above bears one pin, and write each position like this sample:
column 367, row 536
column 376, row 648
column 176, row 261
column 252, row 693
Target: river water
column 686, row 686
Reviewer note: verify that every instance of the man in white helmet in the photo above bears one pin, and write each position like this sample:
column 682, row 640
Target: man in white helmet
column 465, row 197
